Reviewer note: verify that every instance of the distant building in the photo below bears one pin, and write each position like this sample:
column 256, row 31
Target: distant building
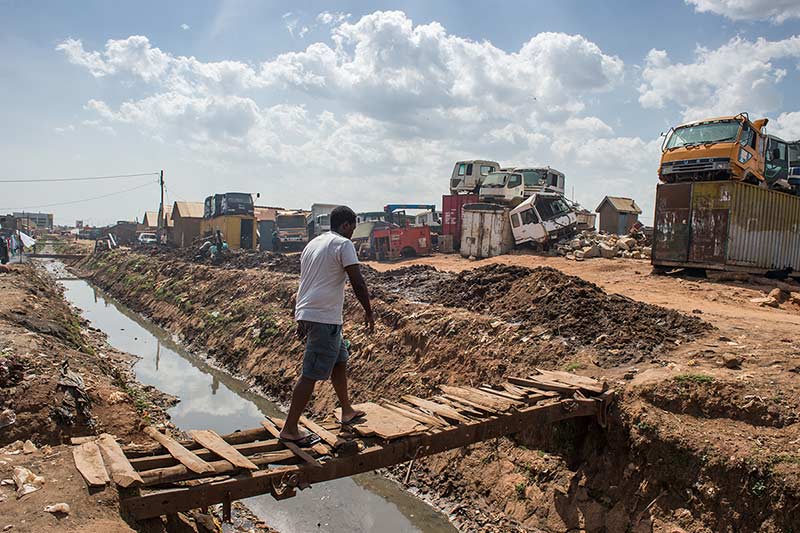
column 617, row 214
column 124, row 232
column 36, row 220
column 8, row 222
column 187, row 218
column 150, row 219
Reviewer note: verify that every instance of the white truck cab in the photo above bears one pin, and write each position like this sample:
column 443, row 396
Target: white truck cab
column 511, row 186
column 543, row 217
column 468, row 175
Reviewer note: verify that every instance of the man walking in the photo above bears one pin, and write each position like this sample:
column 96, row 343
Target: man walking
column 325, row 264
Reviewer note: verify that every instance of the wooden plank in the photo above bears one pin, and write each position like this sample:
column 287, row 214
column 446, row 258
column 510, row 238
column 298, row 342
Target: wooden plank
column 90, row 464
column 473, row 395
column 150, row 462
column 413, row 414
column 80, row 440
column 442, row 410
column 263, row 481
column 176, row 473
column 323, row 433
column 540, row 384
column 383, row 422
column 589, row 385
column 183, row 456
column 237, row 437
column 482, row 410
column 294, row 448
column 320, row 448
column 503, row 394
column 213, row 442
column 122, row 472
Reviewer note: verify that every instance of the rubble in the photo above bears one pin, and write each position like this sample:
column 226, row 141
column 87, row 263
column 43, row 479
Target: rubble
column 589, row 244
column 26, row 481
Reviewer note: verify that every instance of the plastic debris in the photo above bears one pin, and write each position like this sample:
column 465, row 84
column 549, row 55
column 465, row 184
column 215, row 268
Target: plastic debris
column 7, row 417
column 75, row 401
column 26, row 481
column 58, row 508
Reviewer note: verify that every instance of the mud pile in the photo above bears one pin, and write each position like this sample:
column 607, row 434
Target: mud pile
column 546, row 302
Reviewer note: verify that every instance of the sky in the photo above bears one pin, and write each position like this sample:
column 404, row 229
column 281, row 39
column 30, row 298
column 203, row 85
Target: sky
column 368, row 103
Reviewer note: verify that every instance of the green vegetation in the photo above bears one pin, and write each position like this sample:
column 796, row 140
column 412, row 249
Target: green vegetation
column 520, row 489
column 694, row 378
column 574, row 366
column 642, row 425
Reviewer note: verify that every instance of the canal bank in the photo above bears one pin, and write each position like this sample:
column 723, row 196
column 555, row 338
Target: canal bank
column 212, row 398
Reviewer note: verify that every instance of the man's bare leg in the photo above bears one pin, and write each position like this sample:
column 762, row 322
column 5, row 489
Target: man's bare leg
column 339, row 381
column 300, row 398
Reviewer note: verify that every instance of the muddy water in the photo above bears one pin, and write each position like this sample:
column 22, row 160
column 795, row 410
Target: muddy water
column 211, row 398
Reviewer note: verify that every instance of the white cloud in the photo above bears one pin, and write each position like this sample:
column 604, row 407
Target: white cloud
column 775, row 10
column 60, row 130
column 185, row 26
column 332, row 19
column 786, row 126
column 740, row 75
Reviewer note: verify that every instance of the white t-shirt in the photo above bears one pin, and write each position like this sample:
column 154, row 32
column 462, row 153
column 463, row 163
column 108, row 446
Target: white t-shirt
column 320, row 297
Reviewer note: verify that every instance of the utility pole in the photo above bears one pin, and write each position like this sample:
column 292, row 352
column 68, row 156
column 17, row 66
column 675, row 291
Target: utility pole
column 161, row 213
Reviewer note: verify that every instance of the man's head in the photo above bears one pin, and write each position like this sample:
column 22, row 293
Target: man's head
column 343, row 221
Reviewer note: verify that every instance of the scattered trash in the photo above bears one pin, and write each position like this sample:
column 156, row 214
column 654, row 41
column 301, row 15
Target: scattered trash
column 588, row 244
column 26, row 481
column 28, row 447
column 7, row 417
column 74, row 401
column 57, row 508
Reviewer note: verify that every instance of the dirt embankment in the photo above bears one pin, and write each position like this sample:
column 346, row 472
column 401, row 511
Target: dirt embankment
column 706, row 450
column 43, row 346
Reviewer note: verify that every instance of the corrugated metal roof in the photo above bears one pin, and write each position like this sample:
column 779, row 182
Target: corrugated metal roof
column 265, row 213
column 150, row 219
column 188, row 209
column 621, row 204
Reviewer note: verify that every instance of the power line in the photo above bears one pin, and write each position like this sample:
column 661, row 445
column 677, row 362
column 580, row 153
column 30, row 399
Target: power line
column 75, row 201
column 117, row 176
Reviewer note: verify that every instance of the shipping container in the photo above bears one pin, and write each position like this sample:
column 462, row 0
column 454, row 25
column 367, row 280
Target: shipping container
column 726, row 225
column 486, row 231
column 239, row 231
column 451, row 214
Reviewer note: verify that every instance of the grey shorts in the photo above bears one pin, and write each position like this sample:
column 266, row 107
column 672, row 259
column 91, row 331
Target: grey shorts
column 325, row 349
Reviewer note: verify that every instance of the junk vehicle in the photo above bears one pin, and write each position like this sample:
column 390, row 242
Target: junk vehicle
column 511, row 186
column 468, row 175
column 229, row 203
column 292, row 230
column 726, row 225
column 395, row 242
column 543, row 218
column 725, row 148
column 794, row 164
column 430, row 218
column 239, row 231
column 320, row 220
column 485, row 231
column 452, row 205
column 401, row 219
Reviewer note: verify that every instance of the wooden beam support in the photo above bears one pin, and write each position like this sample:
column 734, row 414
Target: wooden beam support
column 237, row 437
column 211, row 441
column 398, row 451
column 445, row 411
column 122, row 472
column 174, row 474
column 150, row 462
column 184, row 456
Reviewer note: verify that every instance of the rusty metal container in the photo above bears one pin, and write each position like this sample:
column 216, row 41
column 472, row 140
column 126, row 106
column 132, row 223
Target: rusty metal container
column 486, row 231
column 726, row 225
column 452, row 216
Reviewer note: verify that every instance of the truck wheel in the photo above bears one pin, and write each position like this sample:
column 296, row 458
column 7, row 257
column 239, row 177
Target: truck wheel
column 408, row 252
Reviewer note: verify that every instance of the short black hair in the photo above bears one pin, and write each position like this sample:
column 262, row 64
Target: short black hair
column 340, row 215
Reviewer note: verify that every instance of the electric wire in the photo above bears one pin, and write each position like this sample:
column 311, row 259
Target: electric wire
column 18, row 209
column 86, row 178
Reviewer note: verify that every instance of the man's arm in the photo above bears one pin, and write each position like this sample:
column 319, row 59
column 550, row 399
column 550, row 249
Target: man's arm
column 362, row 293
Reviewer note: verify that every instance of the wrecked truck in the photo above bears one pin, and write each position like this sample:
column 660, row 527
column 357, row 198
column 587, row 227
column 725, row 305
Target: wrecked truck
column 543, row 218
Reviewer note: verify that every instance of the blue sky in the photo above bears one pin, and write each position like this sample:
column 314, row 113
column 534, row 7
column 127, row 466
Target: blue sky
column 343, row 103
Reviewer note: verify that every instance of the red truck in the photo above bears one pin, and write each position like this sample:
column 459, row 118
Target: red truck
column 394, row 243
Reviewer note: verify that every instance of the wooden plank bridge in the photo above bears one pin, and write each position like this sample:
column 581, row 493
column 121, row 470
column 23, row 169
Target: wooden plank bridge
column 171, row 476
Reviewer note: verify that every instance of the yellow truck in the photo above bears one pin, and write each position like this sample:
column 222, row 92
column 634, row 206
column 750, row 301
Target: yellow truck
column 724, row 148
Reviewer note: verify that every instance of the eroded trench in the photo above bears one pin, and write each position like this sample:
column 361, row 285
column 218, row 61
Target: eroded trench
column 211, row 398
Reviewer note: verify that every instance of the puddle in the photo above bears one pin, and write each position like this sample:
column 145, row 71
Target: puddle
column 211, row 398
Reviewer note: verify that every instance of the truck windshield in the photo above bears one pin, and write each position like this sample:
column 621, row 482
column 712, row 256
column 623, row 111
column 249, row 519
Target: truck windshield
column 533, row 177
column 495, row 179
column 238, row 199
column 794, row 154
column 292, row 221
column 551, row 207
column 709, row 132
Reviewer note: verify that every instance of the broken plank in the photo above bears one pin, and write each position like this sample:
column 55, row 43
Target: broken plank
column 237, row 437
column 472, row 395
column 494, row 397
column 176, row 473
column 470, row 408
column 503, row 394
column 590, row 385
column 414, row 414
column 294, row 448
column 320, row 448
column 383, row 422
column 122, row 472
column 542, row 385
column 323, row 433
column 181, row 454
column 149, row 462
column 81, row 440
column 209, row 439
column 442, row 410
column 90, row 464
